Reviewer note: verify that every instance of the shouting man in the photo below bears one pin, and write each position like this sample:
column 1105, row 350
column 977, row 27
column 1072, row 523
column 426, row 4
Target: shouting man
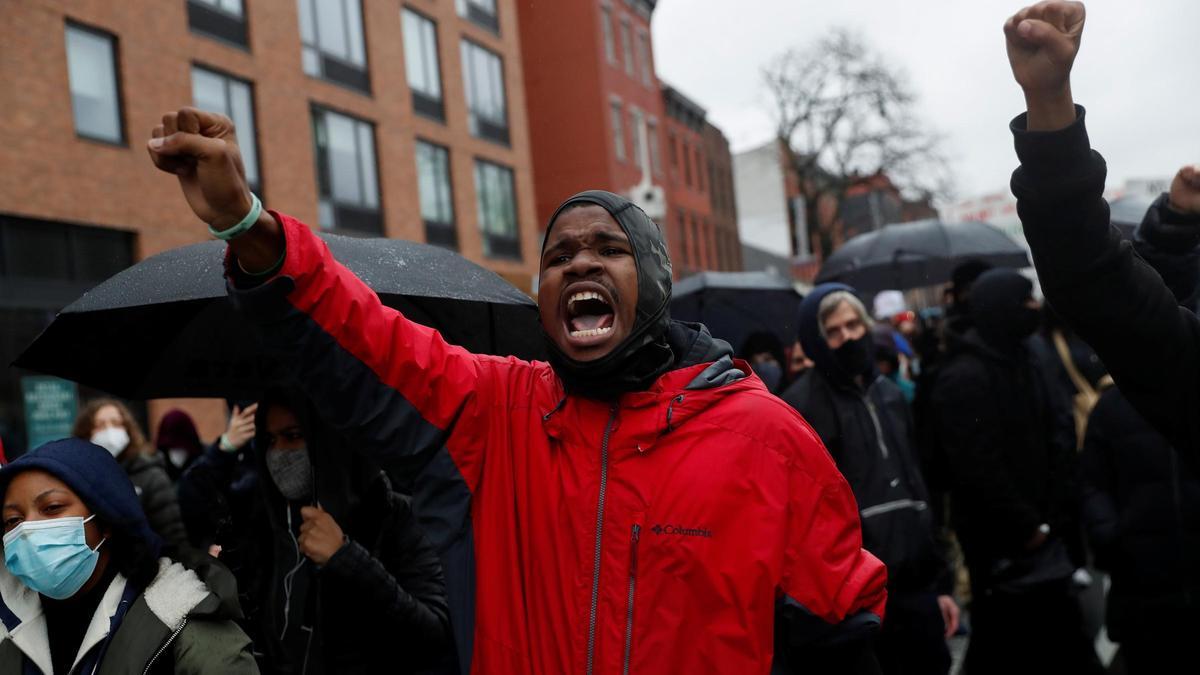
column 639, row 504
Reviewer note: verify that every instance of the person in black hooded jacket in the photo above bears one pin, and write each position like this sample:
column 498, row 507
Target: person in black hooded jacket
column 865, row 422
column 1009, row 442
column 1141, row 503
column 335, row 574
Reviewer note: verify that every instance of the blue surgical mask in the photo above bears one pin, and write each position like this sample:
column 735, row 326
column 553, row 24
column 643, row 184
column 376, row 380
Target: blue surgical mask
column 51, row 556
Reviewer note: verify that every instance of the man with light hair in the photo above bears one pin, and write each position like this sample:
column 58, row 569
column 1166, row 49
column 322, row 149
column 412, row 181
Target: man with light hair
column 867, row 426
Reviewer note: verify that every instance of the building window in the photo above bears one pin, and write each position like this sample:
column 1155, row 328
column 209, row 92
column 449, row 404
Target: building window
column 437, row 199
column 699, row 169
column 346, row 173
column 687, row 162
column 222, row 19
column 484, row 81
column 683, row 241
column 643, row 56
column 655, row 152
column 95, row 88
column 497, row 207
column 482, row 12
column 334, row 46
column 627, row 45
column 673, row 149
column 635, row 136
column 232, row 97
column 421, row 64
column 618, row 129
column 610, row 40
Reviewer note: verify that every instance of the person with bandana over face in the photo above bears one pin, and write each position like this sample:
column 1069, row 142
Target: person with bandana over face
column 866, row 424
column 83, row 588
column 334, row 572
column 108, row 423
column 640, row 503
column 1009, row 440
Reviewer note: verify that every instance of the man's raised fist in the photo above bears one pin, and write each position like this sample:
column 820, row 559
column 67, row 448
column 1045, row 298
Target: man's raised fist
column 1185, row 190
column 1043, row 40
column 201, row 149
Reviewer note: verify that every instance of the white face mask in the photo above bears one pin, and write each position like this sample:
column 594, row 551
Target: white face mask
column 178, row 456
column 112, row 439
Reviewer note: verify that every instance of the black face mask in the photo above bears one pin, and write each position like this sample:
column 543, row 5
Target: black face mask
column 856, row 357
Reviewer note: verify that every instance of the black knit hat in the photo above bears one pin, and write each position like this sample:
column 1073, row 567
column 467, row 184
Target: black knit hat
column 92, row 473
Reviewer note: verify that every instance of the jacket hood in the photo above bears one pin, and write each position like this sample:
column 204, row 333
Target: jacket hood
column 341, row 476
column 998, row 309
column 644, row 354
column 92, row 473
column 811, row 340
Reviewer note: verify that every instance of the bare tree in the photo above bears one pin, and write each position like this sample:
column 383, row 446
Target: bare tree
column 842, row 112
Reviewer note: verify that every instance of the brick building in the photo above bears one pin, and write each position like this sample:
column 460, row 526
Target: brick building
column 382, row 117
column 600, row 118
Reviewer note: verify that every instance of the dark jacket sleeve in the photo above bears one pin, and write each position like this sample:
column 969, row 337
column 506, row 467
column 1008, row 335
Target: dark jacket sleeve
column 968, row 428
column 1098, row 504
column 1112, row 298
column 402, row 586
column 203, row 495
column 162, row 508
column 1170, row 242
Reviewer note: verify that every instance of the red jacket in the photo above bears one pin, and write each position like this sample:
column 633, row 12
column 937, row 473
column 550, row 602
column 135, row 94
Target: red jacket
column 658, row 534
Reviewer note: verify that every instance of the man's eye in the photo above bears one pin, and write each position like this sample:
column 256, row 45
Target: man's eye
column 612, row 251
column 293, row 436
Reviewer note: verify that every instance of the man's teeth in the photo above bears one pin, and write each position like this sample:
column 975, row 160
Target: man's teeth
column 584, row 295
column 592, row 332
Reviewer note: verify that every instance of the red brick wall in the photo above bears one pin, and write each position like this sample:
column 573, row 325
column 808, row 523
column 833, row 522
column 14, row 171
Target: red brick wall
column 46, row 171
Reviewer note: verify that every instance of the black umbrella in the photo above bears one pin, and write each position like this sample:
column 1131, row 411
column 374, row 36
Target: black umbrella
column 922, row 253
column 166, row 328
column 735, row 304
column 1127, row 212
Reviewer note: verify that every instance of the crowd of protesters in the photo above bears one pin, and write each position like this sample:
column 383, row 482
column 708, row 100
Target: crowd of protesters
column 646, row 501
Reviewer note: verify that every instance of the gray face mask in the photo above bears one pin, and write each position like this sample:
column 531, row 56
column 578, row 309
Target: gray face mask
column 292, row 473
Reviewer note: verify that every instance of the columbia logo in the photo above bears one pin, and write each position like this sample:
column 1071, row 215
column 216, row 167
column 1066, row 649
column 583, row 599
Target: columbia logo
column 682, row 531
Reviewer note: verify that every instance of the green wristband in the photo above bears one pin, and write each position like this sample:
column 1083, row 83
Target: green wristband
column 243, row 225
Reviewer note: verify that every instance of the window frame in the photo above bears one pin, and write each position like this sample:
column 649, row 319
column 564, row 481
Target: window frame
column 438, row 233
column 642, row 47
column 616, row 120
column 608, row 33
column 227, row 77
column 344, row 73
column 219, row 24
column 114, row 51
column 480, row 16
column 325, row 182
column 423, row 103
column 652, row 139
column 478, row 126
column 498, row 246
column 627, row 45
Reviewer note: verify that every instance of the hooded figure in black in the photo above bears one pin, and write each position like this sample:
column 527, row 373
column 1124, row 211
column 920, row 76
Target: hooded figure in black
column 371, row 601
column 1009, row 439
column 865, row 422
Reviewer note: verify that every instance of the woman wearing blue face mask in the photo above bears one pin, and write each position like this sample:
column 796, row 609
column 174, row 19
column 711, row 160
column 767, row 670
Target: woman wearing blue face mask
column 82, row 588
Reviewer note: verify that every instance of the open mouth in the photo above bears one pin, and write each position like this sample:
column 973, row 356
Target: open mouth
column 589, row 315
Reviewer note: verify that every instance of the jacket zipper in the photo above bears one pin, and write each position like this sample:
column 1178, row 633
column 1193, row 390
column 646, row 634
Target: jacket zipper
column 875, row 420
column 591, row 641
column 633, row 556
column 165, row 645
column 896, row 505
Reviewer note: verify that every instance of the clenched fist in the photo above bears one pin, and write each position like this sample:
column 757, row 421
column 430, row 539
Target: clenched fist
column 320, row 535
column 1043, row 40
column 1185, row 190
column 200, row 149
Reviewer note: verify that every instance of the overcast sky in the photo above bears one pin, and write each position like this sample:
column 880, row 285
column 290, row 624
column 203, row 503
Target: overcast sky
column 1138, row 72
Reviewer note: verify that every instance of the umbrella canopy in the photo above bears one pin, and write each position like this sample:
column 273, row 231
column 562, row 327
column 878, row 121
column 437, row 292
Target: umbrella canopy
column 166, row 327
column 1127, row 212
column 917, row 254
column 735, row 304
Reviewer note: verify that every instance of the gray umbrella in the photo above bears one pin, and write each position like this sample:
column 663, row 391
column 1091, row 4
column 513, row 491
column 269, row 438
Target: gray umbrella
column 917, row 254
column 1127, row 212
column 166, row 327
